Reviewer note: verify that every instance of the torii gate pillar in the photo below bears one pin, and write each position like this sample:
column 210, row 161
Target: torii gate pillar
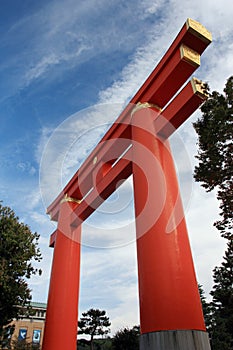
column 62, row 309
column 171, row 315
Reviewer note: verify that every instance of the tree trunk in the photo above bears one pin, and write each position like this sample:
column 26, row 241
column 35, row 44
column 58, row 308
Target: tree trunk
column 91, row 343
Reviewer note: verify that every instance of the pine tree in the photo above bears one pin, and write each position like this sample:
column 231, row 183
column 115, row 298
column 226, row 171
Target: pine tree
column 215, row 171
column 94, row 322
column 222, row 303
column 215, row 141
column 206, row 308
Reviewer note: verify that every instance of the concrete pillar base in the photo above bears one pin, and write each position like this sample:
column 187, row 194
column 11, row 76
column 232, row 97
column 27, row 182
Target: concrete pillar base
column 175, row 340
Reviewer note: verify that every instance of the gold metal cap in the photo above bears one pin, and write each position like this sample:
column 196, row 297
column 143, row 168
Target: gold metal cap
column 190, row 55
column 142, row 105
column 70, row 199
column 199, row 30
column 199, row 88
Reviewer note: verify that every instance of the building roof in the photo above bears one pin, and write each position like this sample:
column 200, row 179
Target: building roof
column 38, row 305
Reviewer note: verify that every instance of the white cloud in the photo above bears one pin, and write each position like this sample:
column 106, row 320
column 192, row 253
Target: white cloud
column 70, row 144
column 26, row 167
column 207, row 245
column 151, row 7
column 41, row 67
column 64, row 35
column 108, row 280
column 49, row 61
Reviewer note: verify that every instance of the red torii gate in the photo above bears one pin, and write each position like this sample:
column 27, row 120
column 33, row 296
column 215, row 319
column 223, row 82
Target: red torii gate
column 170, row 308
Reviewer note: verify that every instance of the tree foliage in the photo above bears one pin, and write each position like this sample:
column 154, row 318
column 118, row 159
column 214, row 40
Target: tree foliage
column 25, row 345
column 215, row 140
column 127, row 339
column 222, row 303
column 94, row 322
column 18, row 249
column 218, row 313
column 206, row 308
column 215, row 171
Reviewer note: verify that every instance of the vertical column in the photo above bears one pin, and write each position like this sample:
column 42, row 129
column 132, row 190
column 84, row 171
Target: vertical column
column 62, row 309
column 170, row 308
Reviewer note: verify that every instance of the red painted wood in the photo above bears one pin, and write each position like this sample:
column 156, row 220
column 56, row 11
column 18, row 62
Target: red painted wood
column 169, row 80
column 186, row 36
column 120, row 172
column 168, row 292
column 175, row 114
column 62, row 309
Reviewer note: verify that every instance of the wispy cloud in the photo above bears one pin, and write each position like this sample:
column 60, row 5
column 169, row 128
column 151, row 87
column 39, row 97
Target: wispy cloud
column 68, row 146
column 64, row 35
column 118, row 292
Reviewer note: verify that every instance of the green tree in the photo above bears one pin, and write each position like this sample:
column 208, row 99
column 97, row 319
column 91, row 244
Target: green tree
column 206, row 307
column 25, row 345
column 18, row 249
column 94, row 322
column 127, row 339
column 215, row 171
column 215, row 141
column 222, row 303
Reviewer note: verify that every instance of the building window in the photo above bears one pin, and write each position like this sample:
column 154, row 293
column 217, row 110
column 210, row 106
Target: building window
column 36, row 336
column 22, row 334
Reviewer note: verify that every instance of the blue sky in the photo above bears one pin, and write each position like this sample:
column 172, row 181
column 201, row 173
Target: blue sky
column 66, row 69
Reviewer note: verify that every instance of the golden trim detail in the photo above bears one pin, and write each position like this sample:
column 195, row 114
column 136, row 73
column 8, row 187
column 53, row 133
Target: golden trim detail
column 95, row 160
column 70, row 199
column 199, row 88
column 142, row 105
column 190, row 55
column 199, row 30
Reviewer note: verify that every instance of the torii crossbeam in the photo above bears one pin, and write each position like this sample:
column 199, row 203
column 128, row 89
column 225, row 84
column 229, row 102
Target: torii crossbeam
column 137, row 143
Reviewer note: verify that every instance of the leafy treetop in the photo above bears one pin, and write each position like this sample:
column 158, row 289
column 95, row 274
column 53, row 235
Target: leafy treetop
column 215, row 140
column 127, row 339
column 94, row 322
column 18, row 247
